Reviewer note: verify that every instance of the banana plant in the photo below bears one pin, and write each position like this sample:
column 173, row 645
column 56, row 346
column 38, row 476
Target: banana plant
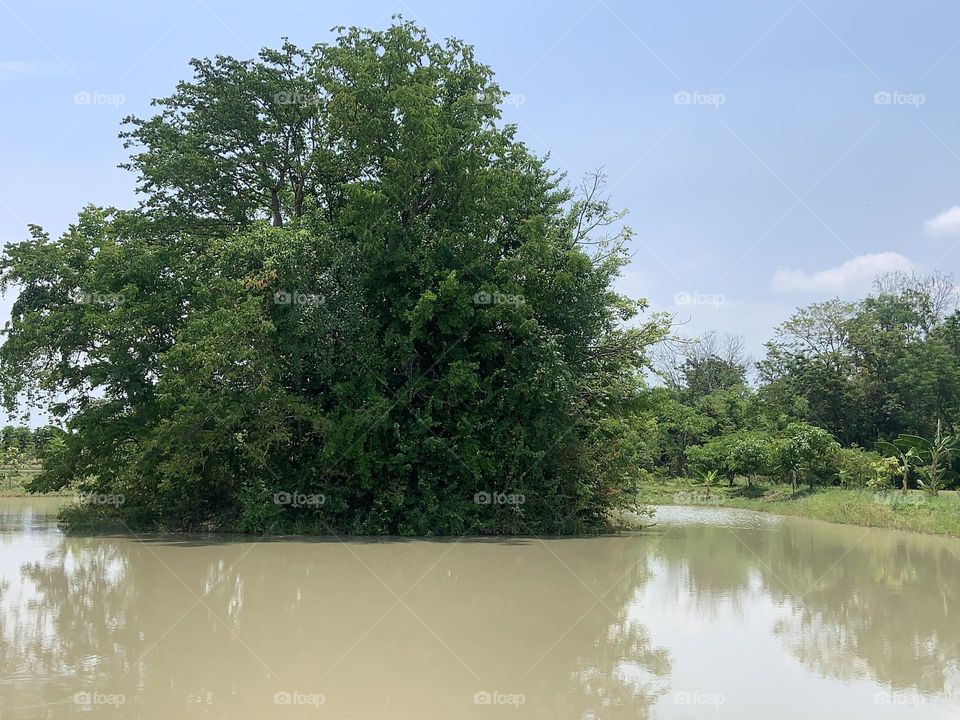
column 708, row 477
column 905, row 455
column 934, row 455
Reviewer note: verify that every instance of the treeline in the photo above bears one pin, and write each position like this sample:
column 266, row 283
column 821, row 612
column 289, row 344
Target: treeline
column 26, row 444
column 852, row 393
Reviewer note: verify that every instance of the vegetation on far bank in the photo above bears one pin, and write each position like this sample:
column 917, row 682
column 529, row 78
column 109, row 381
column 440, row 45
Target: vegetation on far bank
column 915, row 510
column 22, row 450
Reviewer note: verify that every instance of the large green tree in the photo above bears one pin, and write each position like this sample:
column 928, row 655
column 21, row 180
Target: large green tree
column 351, row 301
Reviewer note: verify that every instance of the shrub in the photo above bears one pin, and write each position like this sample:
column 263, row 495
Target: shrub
column 857, row 468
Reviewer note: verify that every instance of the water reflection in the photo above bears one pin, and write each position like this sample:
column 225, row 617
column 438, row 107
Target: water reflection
column 710, row 614
column 855, row 605
column 371, row 629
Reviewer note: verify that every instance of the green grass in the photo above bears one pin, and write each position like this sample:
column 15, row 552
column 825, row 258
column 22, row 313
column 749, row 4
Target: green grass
column 916, row 511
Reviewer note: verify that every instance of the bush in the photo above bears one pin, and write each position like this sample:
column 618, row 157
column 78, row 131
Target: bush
column 808, row 452
column 857, row 468
column 749, row 453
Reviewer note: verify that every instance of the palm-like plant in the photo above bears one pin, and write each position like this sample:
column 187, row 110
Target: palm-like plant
column 934, row 454
column 708, row 477
column 905, row 454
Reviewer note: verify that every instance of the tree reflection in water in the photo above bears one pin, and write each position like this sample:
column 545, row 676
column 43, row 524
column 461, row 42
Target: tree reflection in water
column 862, row 603
column 107, row 614
column 215, row 628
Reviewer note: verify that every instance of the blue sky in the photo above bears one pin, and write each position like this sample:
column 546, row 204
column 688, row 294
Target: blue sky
column 771, row 153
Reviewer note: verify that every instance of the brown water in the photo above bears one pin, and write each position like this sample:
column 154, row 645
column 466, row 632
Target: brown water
column 710, row 614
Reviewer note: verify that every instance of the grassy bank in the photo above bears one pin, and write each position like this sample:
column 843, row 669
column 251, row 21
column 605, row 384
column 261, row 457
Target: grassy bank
column 13, row 485
column 916, row 511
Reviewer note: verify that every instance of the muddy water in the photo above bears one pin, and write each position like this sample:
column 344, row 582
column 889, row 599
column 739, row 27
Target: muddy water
column 710, row 614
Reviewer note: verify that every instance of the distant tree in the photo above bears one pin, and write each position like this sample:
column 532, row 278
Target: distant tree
column 812, row 357
column 751, row 455
column 806, row 451
column 933, row 295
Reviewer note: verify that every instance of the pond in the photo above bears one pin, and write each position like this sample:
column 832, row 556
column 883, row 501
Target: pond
column 710, row 614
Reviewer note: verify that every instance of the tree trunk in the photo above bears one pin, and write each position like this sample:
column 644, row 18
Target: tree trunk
column 275, row 208
column 298, row 200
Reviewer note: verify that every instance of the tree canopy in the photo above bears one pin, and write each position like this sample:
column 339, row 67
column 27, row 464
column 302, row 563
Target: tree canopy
column 349, row 284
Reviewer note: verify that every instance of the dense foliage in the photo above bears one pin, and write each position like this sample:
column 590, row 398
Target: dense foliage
column 857, row 394
column 350, row 302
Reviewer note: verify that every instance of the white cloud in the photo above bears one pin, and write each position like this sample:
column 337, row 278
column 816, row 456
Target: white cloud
column 946, row 223
column 853, row 275
column 15, row 69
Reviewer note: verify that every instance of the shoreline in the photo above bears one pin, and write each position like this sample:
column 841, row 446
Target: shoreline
column 891, row 510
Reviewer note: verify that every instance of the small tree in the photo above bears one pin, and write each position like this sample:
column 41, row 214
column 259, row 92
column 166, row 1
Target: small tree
column 884, row 470
column 11, row 463
column 807, row 450
column 750, row 456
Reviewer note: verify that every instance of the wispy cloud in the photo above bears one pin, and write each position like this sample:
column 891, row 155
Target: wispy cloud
column 853, row 275
column 945, row 224
column 17, row 69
